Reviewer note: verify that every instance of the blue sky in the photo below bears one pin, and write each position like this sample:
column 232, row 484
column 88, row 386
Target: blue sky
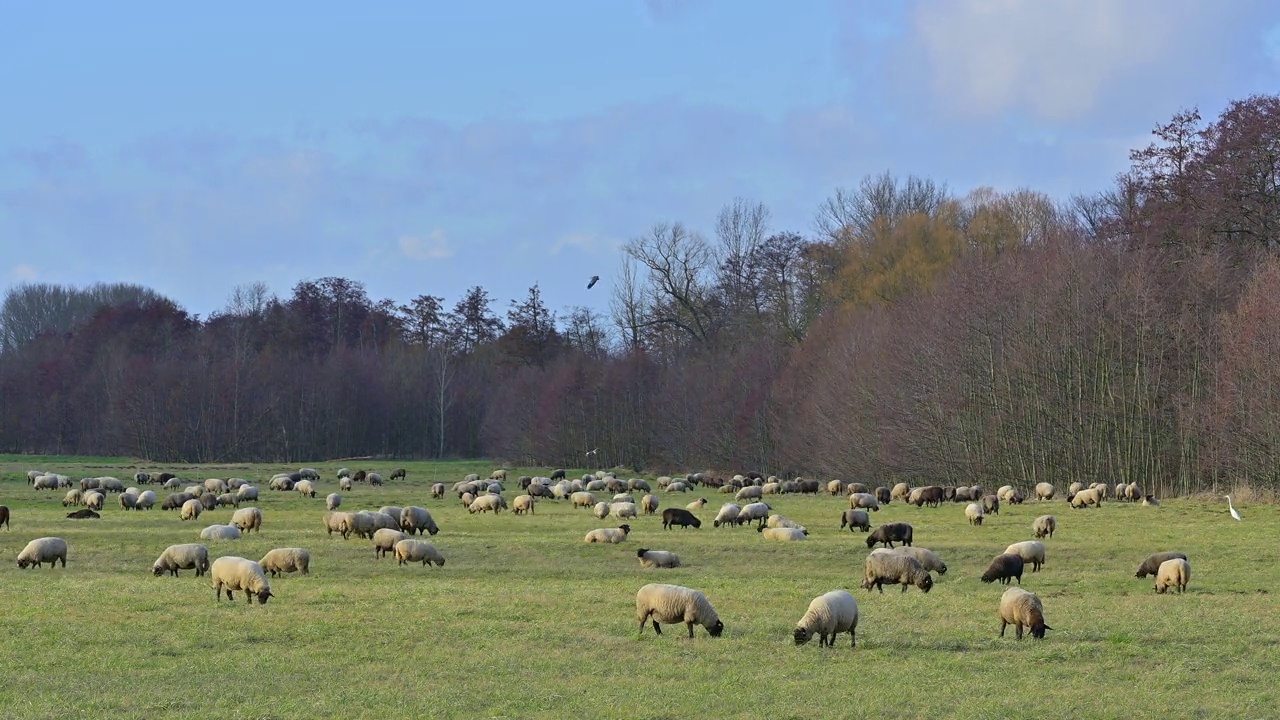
column 428, row 147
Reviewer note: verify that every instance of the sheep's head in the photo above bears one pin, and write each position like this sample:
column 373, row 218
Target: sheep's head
column 1037, row 630
column 926, row 583
column 641, row 552
column 717, row 629
column 802, row 635
column 625, row 528
column 263, row 596
column 23, row 562
column 157, row 570
column 871, row 540
column 942, row 570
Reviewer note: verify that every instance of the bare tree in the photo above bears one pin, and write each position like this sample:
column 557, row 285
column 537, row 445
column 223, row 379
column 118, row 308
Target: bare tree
column 848, row 214
column 679, row 264
column 627, row 305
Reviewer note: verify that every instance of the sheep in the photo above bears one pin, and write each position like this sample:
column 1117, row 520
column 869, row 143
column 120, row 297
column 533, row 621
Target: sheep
column 889, row 533
column 332, row 501
column 1005, row 493
column 1102, row 489
column 559, row 474
column 894, row 568
column 414, row 519
column 220, row 532
column 1002, row 568
column 1175, row 572
column 828, row 616
column 672, row 517
column 191, row 510
column 649, row 503
column 236, row 573
column 1044, row 526
column 369, row 522
column 1085, row 498
column 1030, row 551
column 176, row 500
column 1074, row 488
column 1044, row 491
column 127, row 501
column 247, row 519
column 402, row 474
column 344, row 473
column 466, row 499
column 281, row 483
column 865, row 501
column 601, row 510
column 4, row 517
column 73, row 497
column 783, row 534
column 1153, row 562
column 1021, row 608
column 835, row 487
column 991, row 504
column 83, row 514
column 696, row 504
column 188, row 556
column 900, row 491
column 751, row 492
column 855, row 519
column 637, row 484
column 227, row 498
column 928, row 495
column 755, row 511
column 373, row 478
column 43, row 550
column 94, row 500
column 657, row 558
column 537, row 490
column 622, row 497
column 305, row 488
column 522, row 504
column 928, row 559
column 1150, row 501
column 973, row 512
column 286, row 560
column 408, row 551
column 208, row 501
column 623, row 510
column 384, row 541
column 309, row 474
column 1133, row 492
column 779, row 521
column 169, row 482
column 608, row 535
column 964, row 494
column 392, row 511
column 339, row 522
column 359, row 476
column 437, row 490
column 247, row 493
column 674, row 603
column 216, row 486
column 1120, row 491
column 728, row 515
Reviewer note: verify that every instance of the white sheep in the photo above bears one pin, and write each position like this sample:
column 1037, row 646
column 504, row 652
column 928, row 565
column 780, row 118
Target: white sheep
column 696, row 504
column 384, row 541
column 305, row 488
column 247, row 492
column 783, row 534
column 344, row 473
column 750, row 492
column 522, row 504
column 338, row 522
column 94, row 500
column 1021, row 608
column 778, row 521
column 864, row 501
column 393, row 511
column 601, row 510
column 649, row 503
column 973, row 512
column 408, row 551
column 755, row 511
column 657, row 558
column 216, row 486
column 885, row 566
column 191, row 510
column 728, row 515
column 247, row 519
column 228, row 498
column 1044, row 526
column 188, row 556
column 673, row 604
column 582, row 499
column 485, row 503
column 237, row 573
column 43, row 550
column 1031, row 551
column 332, row 501
column 220, row 532
column 414, row 519
column 286, row 560
column 1172, row 573
column 623, row 510
column 829, row 615
column 146, row 500
column 608, row 535
column 928, row 559
column 344, row 484
column 437, row 490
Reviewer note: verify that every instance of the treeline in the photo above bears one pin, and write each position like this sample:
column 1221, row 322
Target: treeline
column 993, row 337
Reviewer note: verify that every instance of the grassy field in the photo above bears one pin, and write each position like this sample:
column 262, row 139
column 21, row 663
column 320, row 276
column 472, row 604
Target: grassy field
column 527, row 621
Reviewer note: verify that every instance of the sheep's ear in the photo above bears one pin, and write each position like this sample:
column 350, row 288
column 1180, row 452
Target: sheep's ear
column 1046, row 627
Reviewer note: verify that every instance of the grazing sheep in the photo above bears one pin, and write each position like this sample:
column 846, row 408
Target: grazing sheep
column 49, row 482
column 883, row 495
column 94, row 500
column 866, row 501
column 344, row 484
column 991, row 504
column 171, row 482
column 601, row 510
column 1153, row 562
column 110, row 484
column 1121, row 491
column 900, row 491
column 755, row 511
column 636, row 484
column 1074, row 488
column 127, row 501
column 894, row 568
column 1020, row 608
column 608, row 535
column 1044, row 526
column 728, row 515
column 1133, row 492
column 305, row 488
column 217, row 486
column 359, row 476
column 309, row 474
column 828, row 616
column 339, row 522
column 931, row 495
column 1044, row 491
column 783, row 534
column 188, row 556
column 402, row 474
column 927, row 558
column 384, row 541
column 191, row 510
column 657, row 558
column 73, row 497
column 973, row 511
column 437, row 490
column 227, row 498
column 393, row 512
column 1175, row 572
column 522, row 504
column 332, row 501
column 1003, row 568
column 466, row 499
column 43, row 550
column 247, row 493
column 673, row 604
column 208, row 501
column 889, row 533
column 1004, row 493
column 247, row 519
column 1030, row 551
column 750, row 492
column 672, row 517
column 373, row 478
column 1085, row 498
column 835, row 487
column 236, row 573
column 286, row 560
column 145, row 501
column 220, row 532
column 83, row 514
column 649, row 503
column 855, row 519
column 408, row 551
column 623, row 510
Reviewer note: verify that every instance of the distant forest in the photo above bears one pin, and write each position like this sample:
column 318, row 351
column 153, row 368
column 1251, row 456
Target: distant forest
column 1132, row 335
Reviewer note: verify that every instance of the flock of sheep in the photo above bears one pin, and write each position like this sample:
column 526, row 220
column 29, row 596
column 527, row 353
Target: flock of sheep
column 392, row 529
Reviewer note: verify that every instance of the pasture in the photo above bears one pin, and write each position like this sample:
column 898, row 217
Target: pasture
column 527, row 621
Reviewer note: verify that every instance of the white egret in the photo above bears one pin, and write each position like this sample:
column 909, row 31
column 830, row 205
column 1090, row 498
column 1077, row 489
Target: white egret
column 1231, row 507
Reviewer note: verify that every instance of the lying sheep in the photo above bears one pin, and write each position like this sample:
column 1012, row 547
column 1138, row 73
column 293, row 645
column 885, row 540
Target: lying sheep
column 889, row 533
column 408, row 551
column 1044, row 491
column 43, row 550
column 247, row 519
column 1150, row 501
column 779, row 521
column 855, row 519
column 83, row 514
column 332, row 501
column 728, row 515
column 1175, row 572
column 973, row 511
column 1044, row 526
column 1153, row 562
column 236, row 573
column 672, row 517
column 657, row 558
column 783, row 534
column 608, row 535
column 1030, row 551
column 927, row 558
column 414, row 519
column 286, row 560
column 882, row 566
column 674, row 603
column 220, row 532
column 829, row 615
column 1020, row 608
column 1003, row 568
column 384, row 541
column 696, row 504
column 188, row 556
column 522, row 504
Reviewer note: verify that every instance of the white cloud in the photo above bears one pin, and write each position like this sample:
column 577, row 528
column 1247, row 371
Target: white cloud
column 434, row 246
column 1053, row 60
column 23, row 273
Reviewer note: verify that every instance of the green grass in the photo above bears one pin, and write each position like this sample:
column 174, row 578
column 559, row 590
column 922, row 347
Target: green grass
column 527, row 621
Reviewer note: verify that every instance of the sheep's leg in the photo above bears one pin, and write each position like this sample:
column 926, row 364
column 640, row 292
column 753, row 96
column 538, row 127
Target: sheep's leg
column 1018, row 627
column 1003, row 624
column 690, row 624
column 657, row 628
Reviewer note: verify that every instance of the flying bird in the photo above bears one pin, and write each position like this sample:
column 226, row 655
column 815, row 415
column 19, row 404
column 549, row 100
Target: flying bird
column 1234, row 514
column 593, row 452
column 594, row 279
